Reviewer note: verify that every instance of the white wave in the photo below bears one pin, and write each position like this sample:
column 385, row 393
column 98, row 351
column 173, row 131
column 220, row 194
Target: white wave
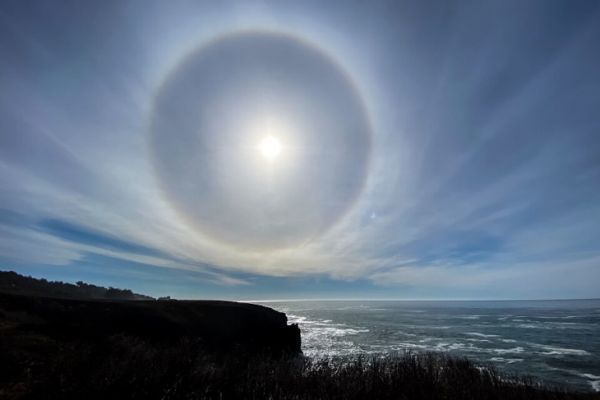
column 590, row 376
column 332, row 331
column 551, row 350
column 506, row 360
column 408, row 334
column 429, row 339
column 404, row 346
column 594, row 381
column 551, row 325
column 513, row 350
column 426, row 326
column 323, row 338
column 317, row 322
column 530, row 326
column 303, row 321
column 351, row 331
column 481, row 335
column 470, row 317
column 445, row 346
column 297, row 319
column 478, row 340
column 509, row 340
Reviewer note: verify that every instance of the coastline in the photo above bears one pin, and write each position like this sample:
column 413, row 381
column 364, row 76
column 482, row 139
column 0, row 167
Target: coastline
column 66, row 348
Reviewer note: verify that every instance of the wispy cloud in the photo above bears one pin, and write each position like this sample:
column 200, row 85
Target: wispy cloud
column 484, row 173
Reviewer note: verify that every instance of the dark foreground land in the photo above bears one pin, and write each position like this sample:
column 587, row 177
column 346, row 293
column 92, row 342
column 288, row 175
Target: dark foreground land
column 53, row 348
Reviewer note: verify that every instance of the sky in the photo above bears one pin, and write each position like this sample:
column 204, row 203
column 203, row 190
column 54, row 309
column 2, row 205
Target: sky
column 429, row 150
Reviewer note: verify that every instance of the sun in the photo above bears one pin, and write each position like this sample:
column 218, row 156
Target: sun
column 270, row 148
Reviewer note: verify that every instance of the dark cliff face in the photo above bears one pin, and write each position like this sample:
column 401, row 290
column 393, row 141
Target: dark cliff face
column 222, row 327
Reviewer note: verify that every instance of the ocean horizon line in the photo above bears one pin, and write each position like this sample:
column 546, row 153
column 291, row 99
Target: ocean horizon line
column 412, row 300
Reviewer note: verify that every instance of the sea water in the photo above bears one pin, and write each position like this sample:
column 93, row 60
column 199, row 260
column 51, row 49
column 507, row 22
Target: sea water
column 556, row 342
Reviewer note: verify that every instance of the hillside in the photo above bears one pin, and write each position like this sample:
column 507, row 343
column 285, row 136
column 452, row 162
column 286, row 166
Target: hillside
column 11, row 282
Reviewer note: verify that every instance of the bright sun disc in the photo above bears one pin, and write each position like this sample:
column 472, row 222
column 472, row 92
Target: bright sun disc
column 270, row 147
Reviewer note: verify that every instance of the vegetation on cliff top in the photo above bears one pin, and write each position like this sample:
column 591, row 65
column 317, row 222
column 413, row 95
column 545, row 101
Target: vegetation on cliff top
column 11, row 282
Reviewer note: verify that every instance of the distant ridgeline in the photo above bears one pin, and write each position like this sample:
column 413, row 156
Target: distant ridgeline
column 11, row 282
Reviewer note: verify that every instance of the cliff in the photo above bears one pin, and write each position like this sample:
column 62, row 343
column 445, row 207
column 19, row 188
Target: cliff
column 221, row 326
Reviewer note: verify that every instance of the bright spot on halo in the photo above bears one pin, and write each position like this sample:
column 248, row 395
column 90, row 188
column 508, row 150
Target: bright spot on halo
column 270, row 147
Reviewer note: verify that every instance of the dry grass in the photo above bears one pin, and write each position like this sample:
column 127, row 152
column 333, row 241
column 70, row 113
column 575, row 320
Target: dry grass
column 124, row 367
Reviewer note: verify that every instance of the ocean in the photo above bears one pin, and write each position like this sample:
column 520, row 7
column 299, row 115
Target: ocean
column 556, row 342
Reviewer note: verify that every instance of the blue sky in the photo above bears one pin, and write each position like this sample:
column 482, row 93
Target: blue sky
column 483, row 178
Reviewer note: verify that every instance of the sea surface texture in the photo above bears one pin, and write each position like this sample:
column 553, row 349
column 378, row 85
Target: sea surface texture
column 557, row 342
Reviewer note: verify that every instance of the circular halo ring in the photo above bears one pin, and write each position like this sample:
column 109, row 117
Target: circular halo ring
column 216, row 41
